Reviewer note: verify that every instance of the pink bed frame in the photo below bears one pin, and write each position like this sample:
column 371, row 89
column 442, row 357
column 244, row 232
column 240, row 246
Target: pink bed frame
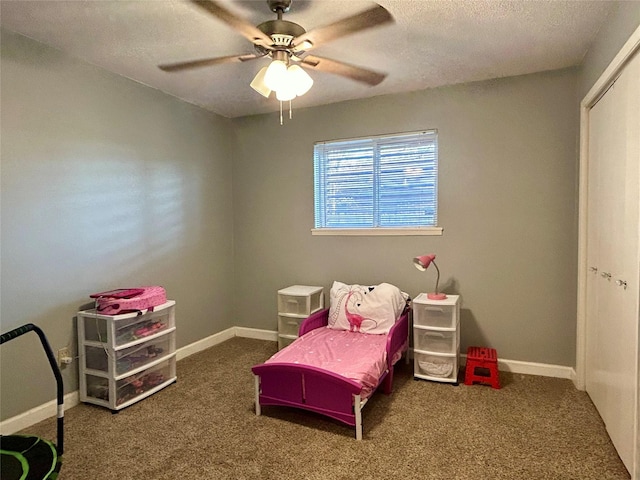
column 321, row 391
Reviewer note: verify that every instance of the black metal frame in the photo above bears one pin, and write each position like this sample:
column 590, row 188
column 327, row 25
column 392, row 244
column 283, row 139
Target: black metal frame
column 30, row 327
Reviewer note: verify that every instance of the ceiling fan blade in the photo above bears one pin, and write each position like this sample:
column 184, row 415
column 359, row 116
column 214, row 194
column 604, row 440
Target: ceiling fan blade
column 245, row 28
column 206, row 62
column 358, row 74
column 373, row 17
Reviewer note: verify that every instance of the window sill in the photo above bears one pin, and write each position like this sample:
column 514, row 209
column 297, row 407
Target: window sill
column 377, row 231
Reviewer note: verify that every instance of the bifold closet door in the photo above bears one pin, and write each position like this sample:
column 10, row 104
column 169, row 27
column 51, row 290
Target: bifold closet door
column 613, row 259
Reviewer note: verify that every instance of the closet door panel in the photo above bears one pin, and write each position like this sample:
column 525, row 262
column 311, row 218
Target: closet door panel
column 595, row 366
column 613, row 227
column 625, row 265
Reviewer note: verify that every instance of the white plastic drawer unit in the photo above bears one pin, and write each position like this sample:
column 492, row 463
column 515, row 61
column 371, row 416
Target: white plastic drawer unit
column 435, row 316
column 436, row 338
column 125, row 358
column 300, row 300
column 435, row 341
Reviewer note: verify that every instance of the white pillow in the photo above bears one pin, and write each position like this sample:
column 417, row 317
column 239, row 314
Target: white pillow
column 366, row 309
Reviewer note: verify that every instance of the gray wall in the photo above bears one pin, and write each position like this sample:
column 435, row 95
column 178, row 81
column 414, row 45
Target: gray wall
column 105, row 183
column 507, row 202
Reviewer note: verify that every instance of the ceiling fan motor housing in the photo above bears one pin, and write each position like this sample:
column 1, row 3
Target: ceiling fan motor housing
column 281, row 32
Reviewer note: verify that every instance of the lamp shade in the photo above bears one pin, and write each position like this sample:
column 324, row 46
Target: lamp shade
column 275, row 76
column 300, row 79
column 258, row 83
column 422, row 263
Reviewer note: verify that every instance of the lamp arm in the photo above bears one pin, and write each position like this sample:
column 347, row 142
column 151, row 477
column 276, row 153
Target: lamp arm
column 438, row 277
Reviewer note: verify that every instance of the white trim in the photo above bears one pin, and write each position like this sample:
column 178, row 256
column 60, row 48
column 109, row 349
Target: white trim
column 532, row 368
column 205, row 343
column 47, row 410
column 246, row 332
column 37, row 414
column 540, row 369
column 377, row 231
column 223, row 336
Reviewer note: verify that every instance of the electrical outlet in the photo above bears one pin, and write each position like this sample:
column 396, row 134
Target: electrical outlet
column 64, row 356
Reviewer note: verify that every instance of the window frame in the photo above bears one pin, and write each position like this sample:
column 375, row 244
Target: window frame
column 379, row 231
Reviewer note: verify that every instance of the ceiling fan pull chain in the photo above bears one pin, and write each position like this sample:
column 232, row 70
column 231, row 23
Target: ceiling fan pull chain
column 280, row 112
column 290, row 117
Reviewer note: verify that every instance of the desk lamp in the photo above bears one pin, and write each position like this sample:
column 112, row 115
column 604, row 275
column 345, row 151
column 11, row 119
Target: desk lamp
column 422, row 263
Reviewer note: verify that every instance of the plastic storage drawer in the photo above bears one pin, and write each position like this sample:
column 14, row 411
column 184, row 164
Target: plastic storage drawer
column 437, row 341
column 127, row 359
column 435, row 366
column 130, row 388
column 300, row 300
column 289, row 325
column 435, row 316
column 134, row 386
column 127, row 328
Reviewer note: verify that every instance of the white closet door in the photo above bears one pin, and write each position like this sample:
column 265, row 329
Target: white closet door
column 597, row 367
column 612, row 247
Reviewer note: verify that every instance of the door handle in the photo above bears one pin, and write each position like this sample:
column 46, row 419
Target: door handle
column 606, row 275
column 621, row 283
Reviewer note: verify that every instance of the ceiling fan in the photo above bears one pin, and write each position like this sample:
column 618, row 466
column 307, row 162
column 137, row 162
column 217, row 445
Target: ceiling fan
column 287, row 44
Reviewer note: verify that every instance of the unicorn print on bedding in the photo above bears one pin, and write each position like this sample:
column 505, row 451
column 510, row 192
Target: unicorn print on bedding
column 355, row 320
column 365, row 309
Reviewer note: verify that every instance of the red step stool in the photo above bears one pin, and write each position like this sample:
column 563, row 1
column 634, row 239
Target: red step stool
column 485, row 358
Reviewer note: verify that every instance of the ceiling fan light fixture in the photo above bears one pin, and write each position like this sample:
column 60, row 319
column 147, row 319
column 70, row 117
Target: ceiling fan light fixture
column 300, row 79
column 275, row 75
column 258, row 83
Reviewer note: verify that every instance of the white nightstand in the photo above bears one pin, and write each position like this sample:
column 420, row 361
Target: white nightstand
column 296, row 303
column 436, row 338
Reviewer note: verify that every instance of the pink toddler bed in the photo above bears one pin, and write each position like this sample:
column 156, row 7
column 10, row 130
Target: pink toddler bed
column 331, row 372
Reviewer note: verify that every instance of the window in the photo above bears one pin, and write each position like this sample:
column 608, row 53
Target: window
column 381, row 185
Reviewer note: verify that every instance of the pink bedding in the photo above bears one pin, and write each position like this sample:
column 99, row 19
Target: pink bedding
column 358, row 356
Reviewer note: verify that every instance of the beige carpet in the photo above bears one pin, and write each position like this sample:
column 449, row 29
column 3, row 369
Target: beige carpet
column 204, row 427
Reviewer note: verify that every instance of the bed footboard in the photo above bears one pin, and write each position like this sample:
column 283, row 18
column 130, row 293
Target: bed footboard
column 309, row 388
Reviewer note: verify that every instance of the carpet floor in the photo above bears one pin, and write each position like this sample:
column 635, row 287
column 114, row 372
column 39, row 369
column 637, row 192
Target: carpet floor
column 204, row 427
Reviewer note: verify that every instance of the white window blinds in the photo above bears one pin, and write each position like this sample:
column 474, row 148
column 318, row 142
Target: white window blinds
column 381, row 182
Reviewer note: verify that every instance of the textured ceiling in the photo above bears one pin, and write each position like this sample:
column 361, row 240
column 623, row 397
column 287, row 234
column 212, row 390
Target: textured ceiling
column 431, row 43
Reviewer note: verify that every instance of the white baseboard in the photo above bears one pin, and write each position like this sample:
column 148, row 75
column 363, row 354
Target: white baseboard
column 37, row 414
column 529, row 368
column 205, row 343
column 540, row 369
column 49, row 409
column 257, row 334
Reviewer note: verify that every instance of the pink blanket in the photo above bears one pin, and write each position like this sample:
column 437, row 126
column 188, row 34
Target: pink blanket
column 358, row 356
